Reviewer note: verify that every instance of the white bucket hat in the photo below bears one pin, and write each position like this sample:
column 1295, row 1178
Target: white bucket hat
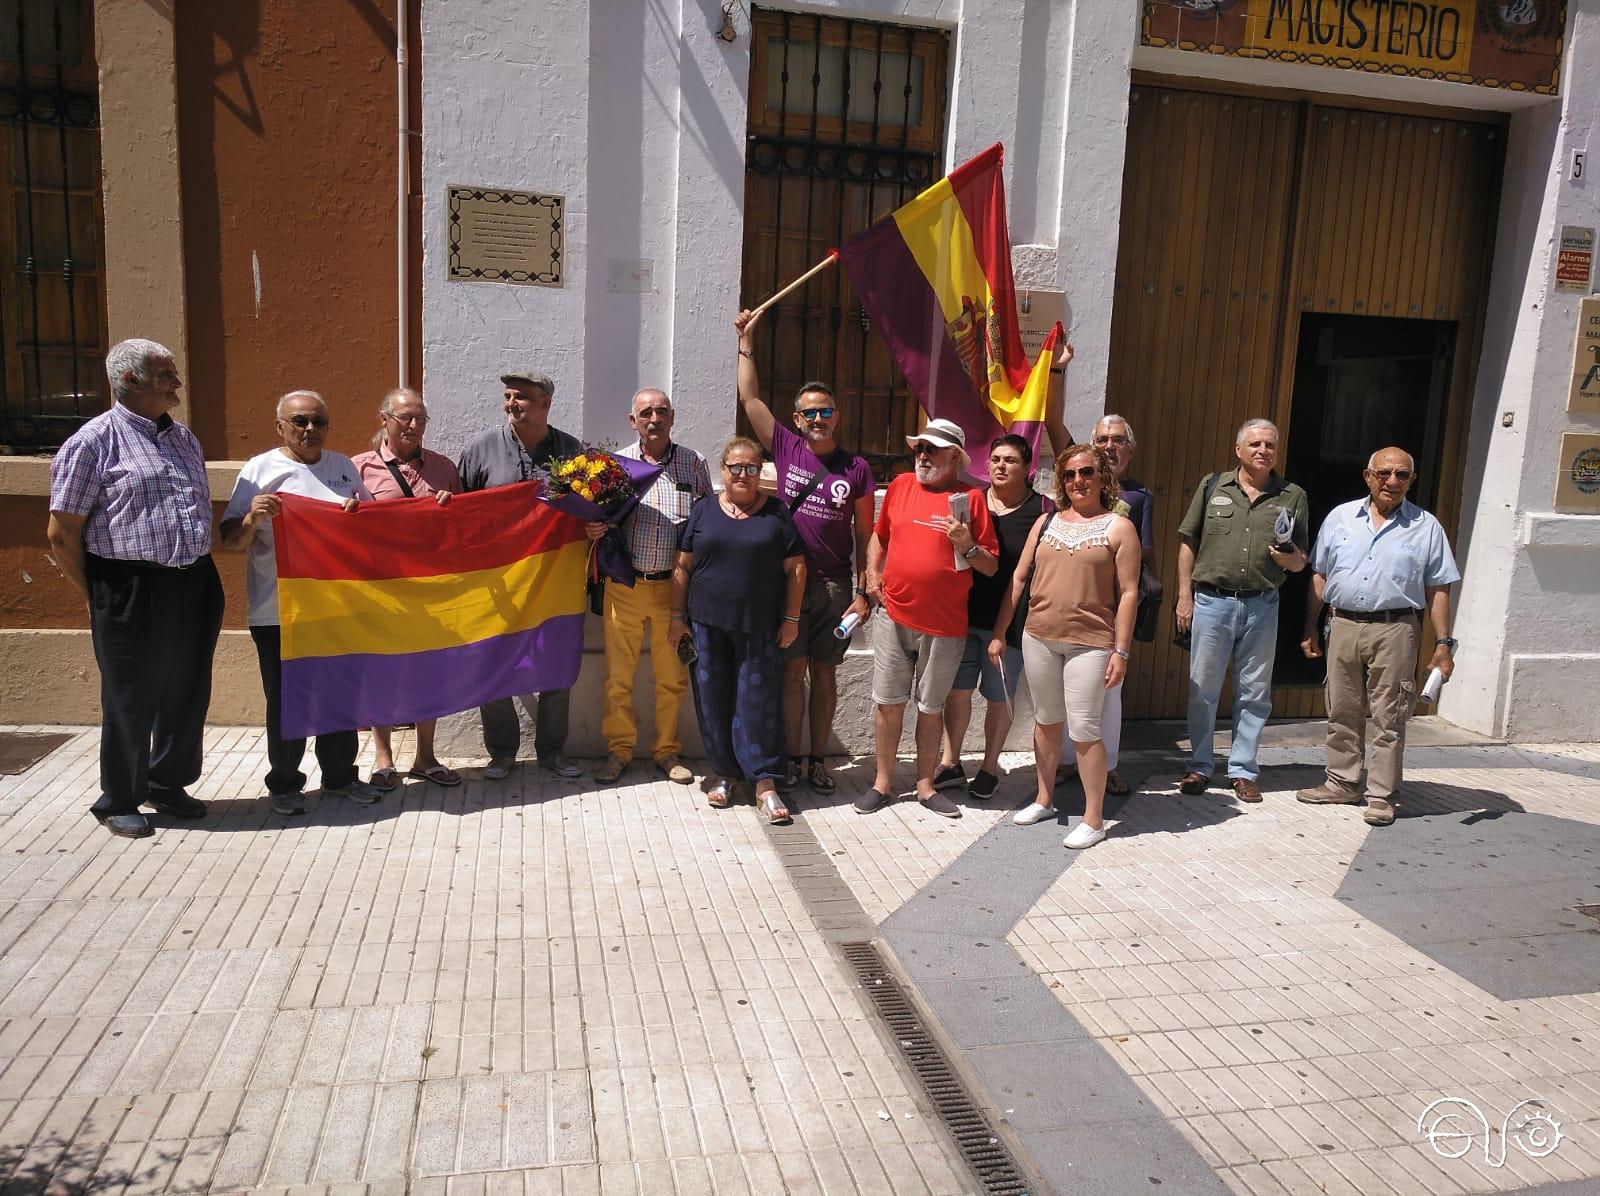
column 945, row 434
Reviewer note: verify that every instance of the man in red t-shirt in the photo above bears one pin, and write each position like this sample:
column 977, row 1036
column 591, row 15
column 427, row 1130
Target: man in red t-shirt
column 919, row 634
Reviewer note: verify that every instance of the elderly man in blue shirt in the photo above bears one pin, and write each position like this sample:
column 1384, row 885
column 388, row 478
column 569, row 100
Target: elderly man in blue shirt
column 1378, row 562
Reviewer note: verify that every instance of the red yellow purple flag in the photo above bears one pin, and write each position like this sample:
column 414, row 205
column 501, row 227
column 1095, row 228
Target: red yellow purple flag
column 407, row 610
column 935, row 276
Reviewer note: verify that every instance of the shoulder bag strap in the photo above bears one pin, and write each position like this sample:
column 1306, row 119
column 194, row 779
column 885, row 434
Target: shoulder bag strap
column 399, row 477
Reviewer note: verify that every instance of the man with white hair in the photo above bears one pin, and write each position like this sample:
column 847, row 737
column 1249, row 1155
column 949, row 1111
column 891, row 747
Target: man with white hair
column 919, row 635
column 299, row 466
column 130, row 527
column 1231, row 561
column 1379, row 562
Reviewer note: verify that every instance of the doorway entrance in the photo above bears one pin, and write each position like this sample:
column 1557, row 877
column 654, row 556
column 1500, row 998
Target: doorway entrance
column 1361, row 383
column 1287, row 258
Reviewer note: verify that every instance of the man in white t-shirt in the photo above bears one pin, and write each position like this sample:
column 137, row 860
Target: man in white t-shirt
column 300, row 466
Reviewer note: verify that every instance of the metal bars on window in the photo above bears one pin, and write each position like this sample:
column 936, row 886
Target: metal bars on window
column 846, row 124
column 51, row 312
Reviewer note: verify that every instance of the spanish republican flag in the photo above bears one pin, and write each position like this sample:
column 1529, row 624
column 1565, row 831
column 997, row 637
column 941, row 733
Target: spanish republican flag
column 407, row 610
column 935, row 276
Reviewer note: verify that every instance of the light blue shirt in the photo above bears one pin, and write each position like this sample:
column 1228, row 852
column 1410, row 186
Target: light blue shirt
column 1383, row 571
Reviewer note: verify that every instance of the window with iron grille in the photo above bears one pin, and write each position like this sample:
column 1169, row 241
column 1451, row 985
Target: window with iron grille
column 846, row 123
column 52, row 309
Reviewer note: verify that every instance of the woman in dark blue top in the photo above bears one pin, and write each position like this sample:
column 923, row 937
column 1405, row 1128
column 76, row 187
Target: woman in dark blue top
column 736, row 590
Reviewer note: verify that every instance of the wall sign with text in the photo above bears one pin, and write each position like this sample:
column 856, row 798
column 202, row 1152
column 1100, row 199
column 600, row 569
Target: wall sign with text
column 1514, row 44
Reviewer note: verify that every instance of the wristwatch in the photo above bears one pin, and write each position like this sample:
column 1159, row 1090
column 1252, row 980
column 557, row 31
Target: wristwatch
column 1447, row 641
column 973, row 551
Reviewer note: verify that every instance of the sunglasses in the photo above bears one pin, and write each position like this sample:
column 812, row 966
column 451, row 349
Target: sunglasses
column 406, row 419
column 928, row 450
column 735, row 468
column 1383, row 475
column 1083, row 473
column 812, row 414
column 306, row 421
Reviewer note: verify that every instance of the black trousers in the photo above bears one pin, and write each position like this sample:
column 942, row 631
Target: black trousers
column 155, row 633
column 336, row 751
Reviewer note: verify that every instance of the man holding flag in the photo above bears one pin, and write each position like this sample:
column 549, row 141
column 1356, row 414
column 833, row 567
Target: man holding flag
column 828, row 490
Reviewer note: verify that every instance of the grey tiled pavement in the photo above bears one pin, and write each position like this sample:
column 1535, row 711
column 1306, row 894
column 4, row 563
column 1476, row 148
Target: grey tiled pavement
column 533, row 986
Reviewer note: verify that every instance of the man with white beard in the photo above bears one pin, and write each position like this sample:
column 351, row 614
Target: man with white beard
column 919, row 634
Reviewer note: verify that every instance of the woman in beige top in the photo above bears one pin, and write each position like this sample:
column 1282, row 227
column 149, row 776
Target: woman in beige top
column 1083, row 562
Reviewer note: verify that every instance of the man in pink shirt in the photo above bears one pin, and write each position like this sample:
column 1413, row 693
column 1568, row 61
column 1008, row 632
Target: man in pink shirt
column 399, row 467
column 919, row 635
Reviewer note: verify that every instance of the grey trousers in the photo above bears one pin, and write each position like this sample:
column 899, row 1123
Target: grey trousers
column 502, row 732
column 1371, row 666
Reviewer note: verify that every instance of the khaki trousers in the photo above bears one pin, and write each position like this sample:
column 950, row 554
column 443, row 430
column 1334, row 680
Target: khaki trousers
column 1371, row 666
column 626, row 613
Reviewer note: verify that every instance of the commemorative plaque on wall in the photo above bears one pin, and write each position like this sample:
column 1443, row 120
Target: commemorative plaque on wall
column 499, row 235
column 1578, row 472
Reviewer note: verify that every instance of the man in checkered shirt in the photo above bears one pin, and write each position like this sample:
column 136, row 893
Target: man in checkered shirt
column 130, row 524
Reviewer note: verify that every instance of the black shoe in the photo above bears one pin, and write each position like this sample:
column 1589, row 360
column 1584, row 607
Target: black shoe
column 791, row 776
column 982, row 786
column 941, row 805
column 818, row 776
column 872, row 800
column 949, row 774
column 177, row 803
column 126, row 826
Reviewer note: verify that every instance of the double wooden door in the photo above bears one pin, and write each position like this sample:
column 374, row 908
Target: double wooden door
column 1246, row 219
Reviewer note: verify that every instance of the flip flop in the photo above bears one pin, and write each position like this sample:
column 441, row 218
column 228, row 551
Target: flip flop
column 384, row 779
column 438, row 774
column 1116, row 786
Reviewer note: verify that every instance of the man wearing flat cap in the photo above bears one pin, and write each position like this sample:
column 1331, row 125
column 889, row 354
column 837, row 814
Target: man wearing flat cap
column 521, row 450
column 920, row 634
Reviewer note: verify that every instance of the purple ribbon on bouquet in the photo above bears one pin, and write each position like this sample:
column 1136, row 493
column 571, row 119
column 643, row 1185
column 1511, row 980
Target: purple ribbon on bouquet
column 609, row 556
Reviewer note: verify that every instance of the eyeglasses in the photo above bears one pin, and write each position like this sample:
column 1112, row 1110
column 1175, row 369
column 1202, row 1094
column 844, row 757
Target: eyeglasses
column 748, row 469
column 1383, row 475
column 1083, row 473
column 928, row 450
column 306, row 421
column 405, row 419
column 812, row 414
column 1102, row 441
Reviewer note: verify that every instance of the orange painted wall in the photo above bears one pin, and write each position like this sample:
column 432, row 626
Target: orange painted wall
column 287, row 145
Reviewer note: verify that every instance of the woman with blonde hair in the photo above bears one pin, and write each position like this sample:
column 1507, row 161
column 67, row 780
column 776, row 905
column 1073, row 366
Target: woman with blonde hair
column 736, row 594
column 1080, row 567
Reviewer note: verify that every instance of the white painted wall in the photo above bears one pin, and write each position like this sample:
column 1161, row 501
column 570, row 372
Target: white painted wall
column 1529, row 603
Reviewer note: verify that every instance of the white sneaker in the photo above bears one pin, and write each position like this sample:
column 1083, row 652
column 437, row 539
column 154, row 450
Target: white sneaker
column 1031, row 814
column 1084, row 835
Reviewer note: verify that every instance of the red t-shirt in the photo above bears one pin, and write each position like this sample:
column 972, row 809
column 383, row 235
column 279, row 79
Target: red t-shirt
column 922, row 588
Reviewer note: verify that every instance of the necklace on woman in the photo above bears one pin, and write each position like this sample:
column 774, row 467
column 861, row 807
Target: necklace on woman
column 732, row 509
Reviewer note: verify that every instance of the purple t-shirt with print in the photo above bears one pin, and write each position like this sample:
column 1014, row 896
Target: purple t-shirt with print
column 825, row 519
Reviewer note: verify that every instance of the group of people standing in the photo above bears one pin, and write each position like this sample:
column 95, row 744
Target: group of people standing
column 748, row 599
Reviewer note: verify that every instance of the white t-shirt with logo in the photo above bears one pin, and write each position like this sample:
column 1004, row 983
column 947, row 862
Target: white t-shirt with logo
column 333, row 478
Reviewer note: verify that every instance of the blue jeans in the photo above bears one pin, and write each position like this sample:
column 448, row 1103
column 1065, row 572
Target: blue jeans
column 1247, row 630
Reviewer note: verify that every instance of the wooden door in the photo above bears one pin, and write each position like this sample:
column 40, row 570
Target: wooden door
column 1243, row 213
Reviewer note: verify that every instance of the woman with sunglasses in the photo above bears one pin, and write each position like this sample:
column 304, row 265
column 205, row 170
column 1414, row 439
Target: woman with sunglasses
column 1083, row 563
column 736, row 593
column 396, row 468
column 298, row 466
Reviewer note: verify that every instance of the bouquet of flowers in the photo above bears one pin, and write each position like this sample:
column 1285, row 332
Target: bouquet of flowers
column 600, row 487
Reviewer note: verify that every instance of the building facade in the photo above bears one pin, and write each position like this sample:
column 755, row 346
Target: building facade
column 1376, row 228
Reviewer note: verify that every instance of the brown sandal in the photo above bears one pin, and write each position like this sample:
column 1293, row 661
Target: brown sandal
column 1116, row 786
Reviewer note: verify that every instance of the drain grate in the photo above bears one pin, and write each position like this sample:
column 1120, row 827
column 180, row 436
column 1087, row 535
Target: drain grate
column 992, row 1164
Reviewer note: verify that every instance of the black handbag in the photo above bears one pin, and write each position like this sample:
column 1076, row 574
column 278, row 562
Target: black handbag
column 1146, row 622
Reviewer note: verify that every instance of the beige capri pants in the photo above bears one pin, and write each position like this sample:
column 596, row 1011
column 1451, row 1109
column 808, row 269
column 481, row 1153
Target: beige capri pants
column 1068, row 684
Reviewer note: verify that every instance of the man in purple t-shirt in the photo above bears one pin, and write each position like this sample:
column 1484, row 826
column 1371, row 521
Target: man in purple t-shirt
column 829, row 491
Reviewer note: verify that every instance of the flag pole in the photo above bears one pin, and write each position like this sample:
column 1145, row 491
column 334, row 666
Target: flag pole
column 833, row 256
